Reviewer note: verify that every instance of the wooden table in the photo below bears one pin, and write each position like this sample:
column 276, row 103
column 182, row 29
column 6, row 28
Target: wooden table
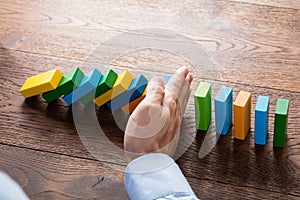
column 253, row 44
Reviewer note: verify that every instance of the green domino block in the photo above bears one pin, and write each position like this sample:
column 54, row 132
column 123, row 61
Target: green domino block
column 106, row 83
column 68, row 83
column 281, row 120
column 203, row 106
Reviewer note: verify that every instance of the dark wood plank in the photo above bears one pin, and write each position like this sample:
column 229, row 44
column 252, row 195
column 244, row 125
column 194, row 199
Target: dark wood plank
column 206, row 189
column 53, row 176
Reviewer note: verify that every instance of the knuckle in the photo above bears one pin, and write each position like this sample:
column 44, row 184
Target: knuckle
column 171, row 103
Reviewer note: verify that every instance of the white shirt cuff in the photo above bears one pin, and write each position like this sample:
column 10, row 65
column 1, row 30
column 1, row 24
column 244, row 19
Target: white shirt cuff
column 154, row 176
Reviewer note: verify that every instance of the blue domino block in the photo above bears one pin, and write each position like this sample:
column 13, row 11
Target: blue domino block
column 166, row 78
column 135, row 90
column 261, row 120
column 87, row 85
column 223, row 110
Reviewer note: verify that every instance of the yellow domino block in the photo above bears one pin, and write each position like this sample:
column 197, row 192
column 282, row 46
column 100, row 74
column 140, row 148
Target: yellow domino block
column 121, row 85
column 242, row 115
column 41, row 83
column 129, row 108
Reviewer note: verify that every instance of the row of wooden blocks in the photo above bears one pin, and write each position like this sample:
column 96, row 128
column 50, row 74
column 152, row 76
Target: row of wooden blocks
column 242, row 114
column 124, row 91
column 115, row 90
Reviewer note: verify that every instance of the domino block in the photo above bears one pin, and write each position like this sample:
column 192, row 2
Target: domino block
column 203, row 106
column 41, row 83
column 130, row 107
column 242, row 115
column 134, row 91
column 166, row 78
column 223, row 110
column 106, row 83
column 120, row 86
column 87, row 85
column 281, row 120
column 68, row 83
column 261, row 120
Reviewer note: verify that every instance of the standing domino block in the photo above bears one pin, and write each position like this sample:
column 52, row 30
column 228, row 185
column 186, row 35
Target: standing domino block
column 106, row 83
column 121, row 85
column 129, row 108
column 68, row 83
column 281, row 120
column 242, row 115
column 41, row 83
column 134, row 91
column 223, row 110
column 203, row 106
column 261, row 120
column 166, row 78
column 88, row 84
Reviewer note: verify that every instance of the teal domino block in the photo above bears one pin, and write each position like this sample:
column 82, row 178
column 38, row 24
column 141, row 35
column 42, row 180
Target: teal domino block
column 134, row 91
column 166, row 78
column 87, row 85
column 68, row 83
column 280, row 124
column 261, row 120
column 223, row 110
column 106, row 83
column 202, row 99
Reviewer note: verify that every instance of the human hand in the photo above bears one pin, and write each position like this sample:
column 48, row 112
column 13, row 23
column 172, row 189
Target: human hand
column 154, row 125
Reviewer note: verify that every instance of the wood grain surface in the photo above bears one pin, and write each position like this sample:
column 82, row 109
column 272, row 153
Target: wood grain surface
column 253, row 46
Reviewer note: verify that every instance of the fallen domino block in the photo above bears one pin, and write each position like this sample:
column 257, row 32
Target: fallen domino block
column 261, row 120
column 130, row 107
column 68, row 83
column 41, row 83
column 223, row 110
column 242, row 115
column 120, row 86
column 106, row 83
column 88, row 84
column 135, row 90
column 203, row 106
column 281, row 120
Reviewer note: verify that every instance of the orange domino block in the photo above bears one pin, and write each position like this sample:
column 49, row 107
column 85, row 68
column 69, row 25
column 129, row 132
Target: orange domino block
column 121, row 85
column 242, row 115
column 129, row 108
column 41, row 83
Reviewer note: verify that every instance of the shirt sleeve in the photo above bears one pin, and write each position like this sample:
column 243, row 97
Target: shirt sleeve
column 156, row 176
column 10, row 190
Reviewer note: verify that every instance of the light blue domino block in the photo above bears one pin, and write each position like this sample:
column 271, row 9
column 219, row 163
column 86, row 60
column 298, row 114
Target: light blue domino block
column 87, row 85
column 134, row 91
column 166, row 78
column 261, row 120
column 223, row 110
